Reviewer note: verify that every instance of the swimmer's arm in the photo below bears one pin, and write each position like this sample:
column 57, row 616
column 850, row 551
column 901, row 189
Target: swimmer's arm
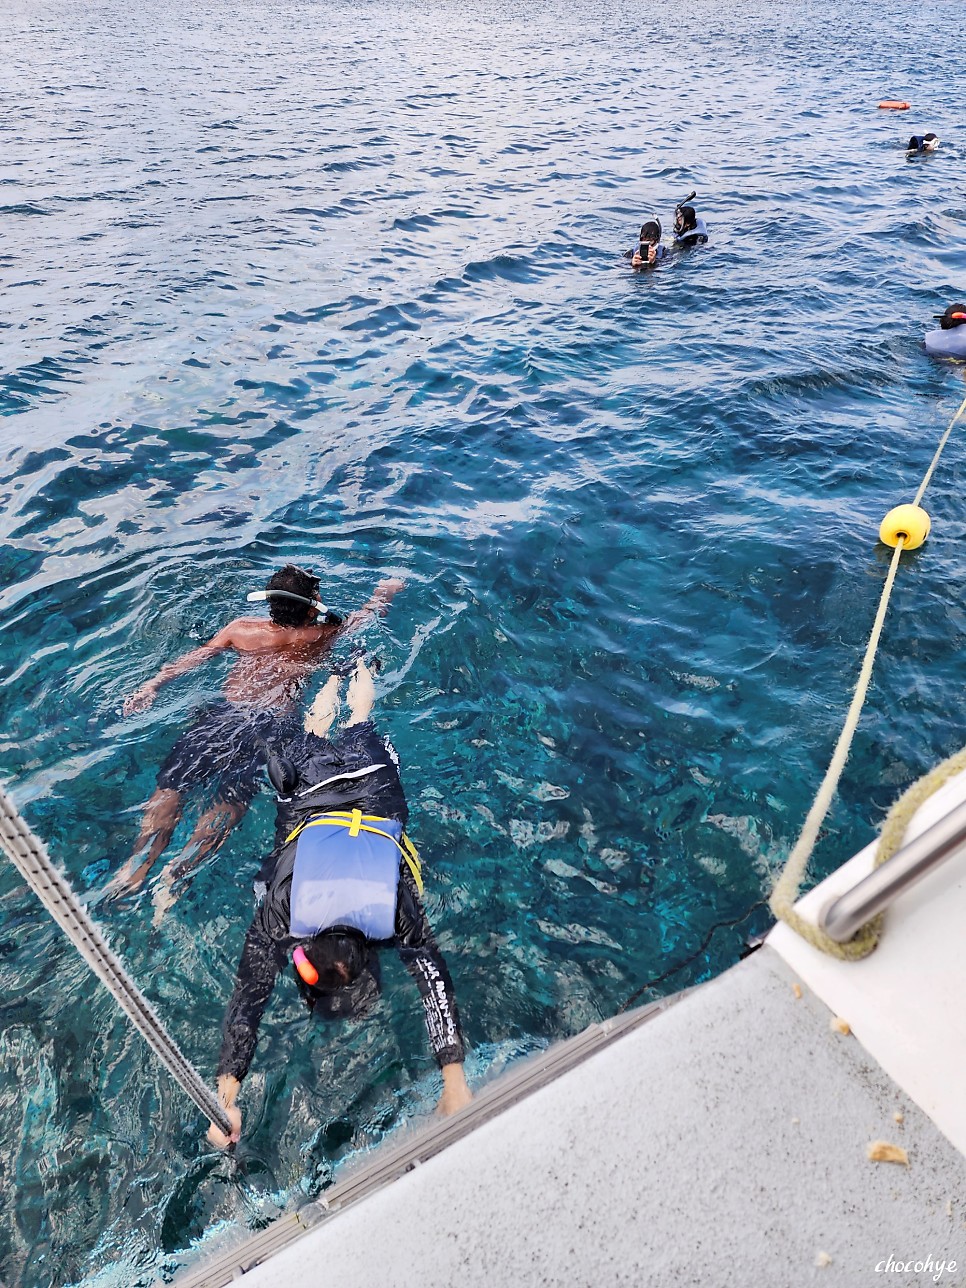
column 421, row 956
column 142, row 698
column 426, row 965
column 254, row 982
column 377, row 605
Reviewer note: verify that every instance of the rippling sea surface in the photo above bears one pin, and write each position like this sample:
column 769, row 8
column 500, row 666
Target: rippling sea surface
column 343, row 285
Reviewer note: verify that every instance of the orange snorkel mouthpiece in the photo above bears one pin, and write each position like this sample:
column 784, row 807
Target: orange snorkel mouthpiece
column 306, row 970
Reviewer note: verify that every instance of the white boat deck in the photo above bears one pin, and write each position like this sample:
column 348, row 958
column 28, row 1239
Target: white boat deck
column 905, row 1001
column 720, row 1140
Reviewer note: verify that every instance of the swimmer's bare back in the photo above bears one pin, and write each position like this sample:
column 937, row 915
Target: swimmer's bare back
column 274, row 661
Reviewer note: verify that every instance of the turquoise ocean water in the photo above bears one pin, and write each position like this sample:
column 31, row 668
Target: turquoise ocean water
column 342, row 284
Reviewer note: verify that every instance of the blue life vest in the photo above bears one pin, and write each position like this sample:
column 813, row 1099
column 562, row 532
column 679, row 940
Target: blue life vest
column 695, row 236
column 341, row 879
column 947, row 344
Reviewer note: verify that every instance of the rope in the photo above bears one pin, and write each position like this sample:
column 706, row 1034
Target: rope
column 939, row 451
column 29, row 855
column 792, row 878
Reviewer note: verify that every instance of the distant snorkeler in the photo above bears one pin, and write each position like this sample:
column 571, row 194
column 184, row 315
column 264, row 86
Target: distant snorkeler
column 689, row 228
column 923, row 143
column 650, row 251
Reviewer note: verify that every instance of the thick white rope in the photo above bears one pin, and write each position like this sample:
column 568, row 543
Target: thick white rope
column 939, row 451
column 790, row 881
column 29, row 855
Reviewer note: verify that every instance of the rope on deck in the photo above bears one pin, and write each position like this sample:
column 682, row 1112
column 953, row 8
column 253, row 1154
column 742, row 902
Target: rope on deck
column 792, row 878
column 29, row 856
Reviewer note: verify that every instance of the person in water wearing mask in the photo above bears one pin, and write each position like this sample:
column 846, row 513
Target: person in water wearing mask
column 224, row 747
column 650, row 251
column 950, row 340
column 689, row 229
column 343, row 878
column 923, row 143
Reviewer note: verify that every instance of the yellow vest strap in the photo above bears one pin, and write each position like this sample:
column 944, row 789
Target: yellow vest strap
column 411, row 855
column 354, row 823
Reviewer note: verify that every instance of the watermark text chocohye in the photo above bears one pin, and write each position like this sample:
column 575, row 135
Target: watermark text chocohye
column 919, row 1266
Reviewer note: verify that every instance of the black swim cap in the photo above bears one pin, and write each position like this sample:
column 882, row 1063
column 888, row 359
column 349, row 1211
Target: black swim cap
column 651, row 231
column 338, row 955
column 955, row 315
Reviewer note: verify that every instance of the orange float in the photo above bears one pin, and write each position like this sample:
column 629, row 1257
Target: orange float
column 895, row 104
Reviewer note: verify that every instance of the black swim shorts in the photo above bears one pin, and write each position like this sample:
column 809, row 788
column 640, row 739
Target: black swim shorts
column 225, row 747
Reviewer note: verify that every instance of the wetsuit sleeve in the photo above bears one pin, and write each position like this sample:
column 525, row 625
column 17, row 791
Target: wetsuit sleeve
column 421, row 957
column 254, row 981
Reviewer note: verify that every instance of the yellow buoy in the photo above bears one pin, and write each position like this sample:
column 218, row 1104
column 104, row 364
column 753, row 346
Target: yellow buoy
column 909, row 521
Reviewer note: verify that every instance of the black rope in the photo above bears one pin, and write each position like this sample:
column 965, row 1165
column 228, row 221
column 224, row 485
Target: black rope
column 673, row 970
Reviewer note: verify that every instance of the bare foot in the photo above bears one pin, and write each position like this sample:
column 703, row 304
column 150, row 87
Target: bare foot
column 164, row 898
column 127, row 881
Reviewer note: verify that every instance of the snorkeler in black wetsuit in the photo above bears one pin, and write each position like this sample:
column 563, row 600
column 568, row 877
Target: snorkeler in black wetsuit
column 342, row 878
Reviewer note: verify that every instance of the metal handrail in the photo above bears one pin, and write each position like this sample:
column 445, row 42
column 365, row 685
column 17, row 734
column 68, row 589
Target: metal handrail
column 846, row 914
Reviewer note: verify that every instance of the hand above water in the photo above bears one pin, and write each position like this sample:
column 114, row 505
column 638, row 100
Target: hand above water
column 140, row 699
column 456, row 1094
column 227, row 1091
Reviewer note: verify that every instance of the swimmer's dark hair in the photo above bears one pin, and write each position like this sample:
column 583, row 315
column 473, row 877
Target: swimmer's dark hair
column 289, row 612
column 338, row 956
column 651, row 231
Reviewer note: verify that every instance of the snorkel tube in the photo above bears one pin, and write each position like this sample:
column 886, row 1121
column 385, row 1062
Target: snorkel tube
column 304, row 967
column 254, row 596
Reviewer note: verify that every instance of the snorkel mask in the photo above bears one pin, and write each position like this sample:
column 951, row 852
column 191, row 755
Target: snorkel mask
column 650, row 232
column 684, row 215
column 349, row 953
